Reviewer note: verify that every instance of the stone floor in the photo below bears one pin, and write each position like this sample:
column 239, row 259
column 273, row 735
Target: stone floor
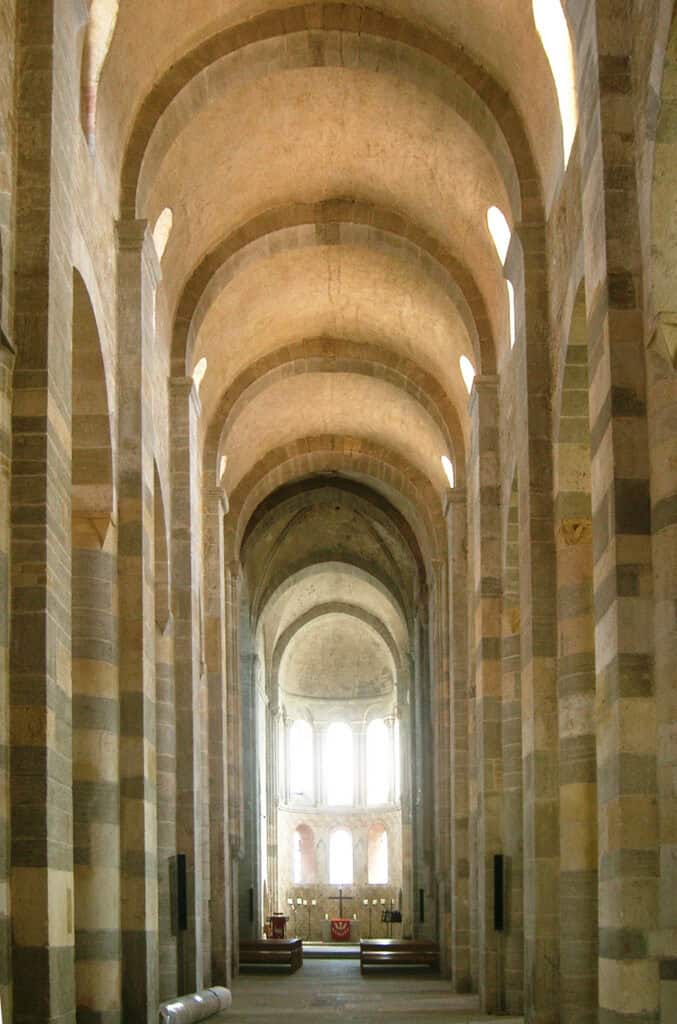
column 328, row 990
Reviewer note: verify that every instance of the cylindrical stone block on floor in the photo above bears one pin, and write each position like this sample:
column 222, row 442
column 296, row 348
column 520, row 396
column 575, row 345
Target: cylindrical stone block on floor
column 195, row 1007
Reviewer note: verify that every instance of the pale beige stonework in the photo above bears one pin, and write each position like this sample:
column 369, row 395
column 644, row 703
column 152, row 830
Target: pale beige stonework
column 223, row 504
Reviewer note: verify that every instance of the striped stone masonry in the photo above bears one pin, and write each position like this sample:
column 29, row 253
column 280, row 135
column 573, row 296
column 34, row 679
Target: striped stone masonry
column 185, row 573
column 458, row 742
column 484, row 498
column 512, row 967
column 137, row 277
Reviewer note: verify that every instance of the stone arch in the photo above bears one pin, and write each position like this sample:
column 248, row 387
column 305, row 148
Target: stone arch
column 92, row 464
column 343, row 18
column 355, row 457
column 335, row 608
column 357, row 494
column 333, row 221
column 98, row 37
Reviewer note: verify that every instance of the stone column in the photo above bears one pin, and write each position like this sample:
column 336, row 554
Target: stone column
column 137, row 277
column 166, row 804
column 628, row 864
column 234, row 741
column 483, row 483
column 511, row 741
column 96, row 791
column 185, row 569
column 6, row 367
column 390, row 726
column 422, row 776
column 441, row 685
column 213, row 590
column 406, row 797
column 273, row 800
column 360, row 761
column 538, row 624
column 456, row 514
column 41, row 823
column 320, row 741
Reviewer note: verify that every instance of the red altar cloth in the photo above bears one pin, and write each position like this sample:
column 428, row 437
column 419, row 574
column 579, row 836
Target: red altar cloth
column 340, row 929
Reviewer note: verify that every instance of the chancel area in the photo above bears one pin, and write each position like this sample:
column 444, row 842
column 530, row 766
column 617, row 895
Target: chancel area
column 338, row 511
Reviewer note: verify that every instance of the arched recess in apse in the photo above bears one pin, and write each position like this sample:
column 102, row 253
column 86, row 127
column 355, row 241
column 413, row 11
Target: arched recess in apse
column 378, row 864
column 511, row 740
column 576, row 680
column 96, row 824
column 101, row 22
column 166, row 747
column 304, row 860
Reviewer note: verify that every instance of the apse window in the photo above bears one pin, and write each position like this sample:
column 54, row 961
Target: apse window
column 301, row 760
column 341, row 857
column 339, row 764
column 379, row 758
column 377, row 856
column 553, row 29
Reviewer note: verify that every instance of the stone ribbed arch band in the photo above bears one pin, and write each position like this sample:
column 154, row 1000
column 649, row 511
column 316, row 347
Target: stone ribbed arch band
column 333, row 355
column 331, row 48
column 354, row 456
column 334, row 608
column 346, row 19
column 330, row 222
column 364, row 499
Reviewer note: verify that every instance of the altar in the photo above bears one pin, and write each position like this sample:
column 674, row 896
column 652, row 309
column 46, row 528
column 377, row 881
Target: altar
column 341, row 929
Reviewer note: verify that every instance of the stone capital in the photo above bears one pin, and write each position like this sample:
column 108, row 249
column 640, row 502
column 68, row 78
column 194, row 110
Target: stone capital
column 454, row 499
column 130, row 234
column 183, row 389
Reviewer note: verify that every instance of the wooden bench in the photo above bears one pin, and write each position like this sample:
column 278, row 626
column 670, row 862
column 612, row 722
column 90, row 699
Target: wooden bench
column 399, row 953
column 272, row 952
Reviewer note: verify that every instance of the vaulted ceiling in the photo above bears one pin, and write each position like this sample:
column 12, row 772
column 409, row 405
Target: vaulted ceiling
column 329, row 168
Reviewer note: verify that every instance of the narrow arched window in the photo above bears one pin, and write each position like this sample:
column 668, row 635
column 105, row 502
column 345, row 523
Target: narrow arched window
column 339, row 763
column 103, row 15
column 301, row 760
column 379, row 762
column 377, row 856
column 341, row 857
column 553, row 29
column 304, row 864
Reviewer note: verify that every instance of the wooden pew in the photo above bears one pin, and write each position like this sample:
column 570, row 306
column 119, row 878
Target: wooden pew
column 399, row 953
column 275, row 952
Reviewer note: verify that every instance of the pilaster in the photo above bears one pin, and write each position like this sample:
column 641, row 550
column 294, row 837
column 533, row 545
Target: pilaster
column 185, row 559
column 456, row 515
column 483, row 483
column 136, row 285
